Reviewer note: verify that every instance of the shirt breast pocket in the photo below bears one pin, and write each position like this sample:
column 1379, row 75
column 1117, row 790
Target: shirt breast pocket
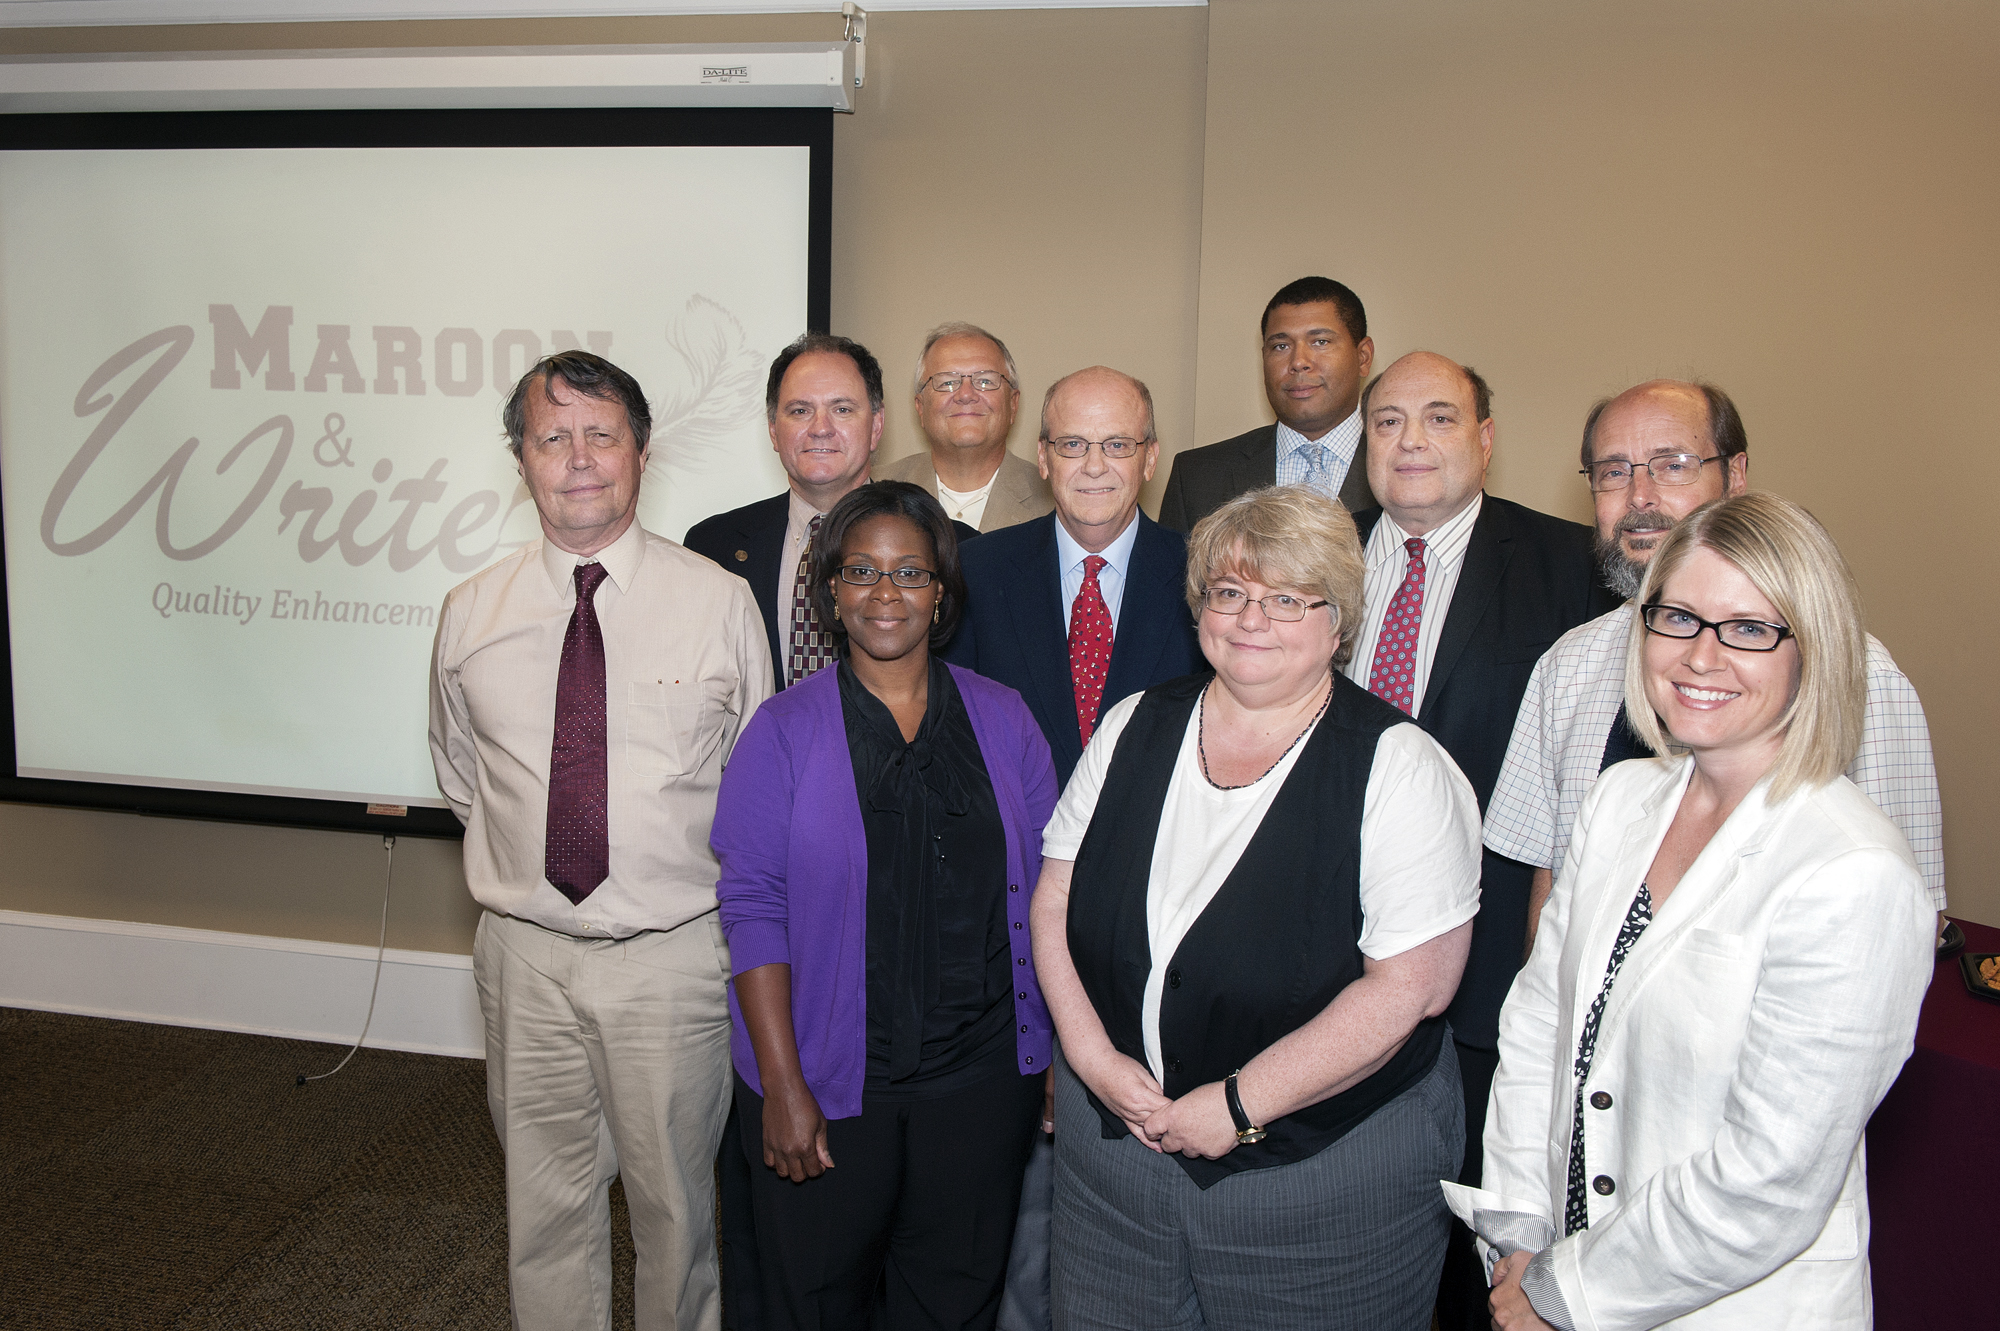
column 669, row 730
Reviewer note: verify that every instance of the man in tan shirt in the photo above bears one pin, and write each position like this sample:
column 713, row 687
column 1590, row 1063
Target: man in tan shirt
column 599, row 959
column 967, row 392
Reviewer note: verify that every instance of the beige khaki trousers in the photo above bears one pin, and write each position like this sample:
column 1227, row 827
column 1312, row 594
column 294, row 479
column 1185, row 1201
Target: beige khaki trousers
column 607, row 1058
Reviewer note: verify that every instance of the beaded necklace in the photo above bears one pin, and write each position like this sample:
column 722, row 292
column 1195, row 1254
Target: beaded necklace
column 1201, row 744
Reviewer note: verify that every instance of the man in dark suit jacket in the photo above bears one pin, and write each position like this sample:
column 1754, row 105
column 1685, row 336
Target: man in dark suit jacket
column 1044, row 594
column 1489, row 585
column 823, row 399
column 1316, row 355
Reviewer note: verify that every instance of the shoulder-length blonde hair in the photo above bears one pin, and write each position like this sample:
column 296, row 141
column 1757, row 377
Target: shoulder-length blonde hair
column 1789, row 558
column 1283, row 536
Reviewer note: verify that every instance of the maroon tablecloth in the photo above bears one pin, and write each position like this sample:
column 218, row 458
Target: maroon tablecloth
column 1934, row 1160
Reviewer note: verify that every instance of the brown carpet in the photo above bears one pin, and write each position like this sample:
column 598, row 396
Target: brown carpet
column 158, row 1176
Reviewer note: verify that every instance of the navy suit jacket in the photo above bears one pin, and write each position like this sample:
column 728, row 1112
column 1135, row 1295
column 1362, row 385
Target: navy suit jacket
column 1528, row 578
column 750, row 542
column 1013, row 625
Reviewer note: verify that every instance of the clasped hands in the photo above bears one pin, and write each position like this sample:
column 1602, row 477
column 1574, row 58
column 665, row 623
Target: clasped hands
column 1197, row 1125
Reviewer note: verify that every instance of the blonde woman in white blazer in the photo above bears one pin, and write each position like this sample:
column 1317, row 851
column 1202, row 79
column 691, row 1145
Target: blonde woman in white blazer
column 1748, row 1029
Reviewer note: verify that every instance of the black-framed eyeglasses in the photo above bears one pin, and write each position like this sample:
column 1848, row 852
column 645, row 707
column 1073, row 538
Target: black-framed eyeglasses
column 1665, row 469
column 1281, row 607
column 864, row 575
column 947, row 384
column 1744, row 635
column 1119, row 447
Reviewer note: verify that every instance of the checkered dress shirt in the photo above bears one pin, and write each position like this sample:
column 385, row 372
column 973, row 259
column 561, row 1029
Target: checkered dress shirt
column 1293, row 449
column 1565, row 720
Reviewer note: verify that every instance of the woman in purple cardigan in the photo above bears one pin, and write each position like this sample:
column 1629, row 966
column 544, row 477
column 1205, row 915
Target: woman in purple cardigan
column 879, row 827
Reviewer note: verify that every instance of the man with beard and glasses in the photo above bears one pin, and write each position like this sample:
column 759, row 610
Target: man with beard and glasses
column 1654, row 454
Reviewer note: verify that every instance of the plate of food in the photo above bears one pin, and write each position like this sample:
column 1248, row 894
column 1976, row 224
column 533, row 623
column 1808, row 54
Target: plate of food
column 1982, row 974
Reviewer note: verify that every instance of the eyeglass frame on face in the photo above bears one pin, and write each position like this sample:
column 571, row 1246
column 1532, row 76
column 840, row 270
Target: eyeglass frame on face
column 898, row 577
column 1649, row 465
column 1715, row 627
column 944, row 384
column 1261, row 602
column 1127, row 447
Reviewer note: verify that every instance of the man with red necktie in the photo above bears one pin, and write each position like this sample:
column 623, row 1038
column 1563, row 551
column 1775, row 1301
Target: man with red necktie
column 1076, row 610
column 585, row 693
column 1464, row 593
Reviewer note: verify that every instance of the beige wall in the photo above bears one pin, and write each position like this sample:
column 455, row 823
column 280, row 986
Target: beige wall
column 1794, row 199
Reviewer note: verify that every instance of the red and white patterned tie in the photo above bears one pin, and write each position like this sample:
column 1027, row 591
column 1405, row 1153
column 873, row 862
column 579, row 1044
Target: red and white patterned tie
column 810, row 645
column 1393, row 676
column 1089, row 646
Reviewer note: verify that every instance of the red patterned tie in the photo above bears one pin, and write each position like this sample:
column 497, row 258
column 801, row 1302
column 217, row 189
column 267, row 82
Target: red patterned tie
column 577, row 845
column 1393, row 676
column 1089, row 646
column 811, row 645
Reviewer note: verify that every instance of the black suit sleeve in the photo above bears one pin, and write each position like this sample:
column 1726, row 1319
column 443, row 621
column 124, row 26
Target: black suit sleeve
column 1173, row 503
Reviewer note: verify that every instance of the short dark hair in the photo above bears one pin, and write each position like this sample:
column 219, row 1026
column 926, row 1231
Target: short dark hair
column 580, row 372
column 807, row 343
column 1313, row 290
column 913, row 504
column 1482, row 393
column 1725, row 423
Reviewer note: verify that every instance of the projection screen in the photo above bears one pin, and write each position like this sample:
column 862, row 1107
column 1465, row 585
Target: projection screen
column 250, row 405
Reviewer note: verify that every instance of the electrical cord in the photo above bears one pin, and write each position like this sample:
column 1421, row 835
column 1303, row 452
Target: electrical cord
column 381, row 948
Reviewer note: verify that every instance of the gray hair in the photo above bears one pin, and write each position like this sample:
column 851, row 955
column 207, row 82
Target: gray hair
column 959, row 328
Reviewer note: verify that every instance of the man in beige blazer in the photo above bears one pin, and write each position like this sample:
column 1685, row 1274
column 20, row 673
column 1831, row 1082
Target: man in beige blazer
column 967, row 392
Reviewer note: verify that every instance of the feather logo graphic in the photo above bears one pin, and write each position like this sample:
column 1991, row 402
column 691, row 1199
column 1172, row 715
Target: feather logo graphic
column 722, row 389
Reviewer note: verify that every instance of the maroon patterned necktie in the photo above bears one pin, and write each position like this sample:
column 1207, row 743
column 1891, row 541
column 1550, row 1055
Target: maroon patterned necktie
column 577, row 852
column 1393, row 676
column 1089, row 646
column 810, row 646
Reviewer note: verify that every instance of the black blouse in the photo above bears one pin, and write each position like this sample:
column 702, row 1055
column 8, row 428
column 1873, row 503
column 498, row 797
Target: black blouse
column 940, row 981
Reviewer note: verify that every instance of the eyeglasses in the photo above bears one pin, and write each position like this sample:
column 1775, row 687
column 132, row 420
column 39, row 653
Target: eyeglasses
column 1072, row 447
column 1279, row 607
column 947, row 384
column 1745, row 635
column 862, row 575
column 1666, row 469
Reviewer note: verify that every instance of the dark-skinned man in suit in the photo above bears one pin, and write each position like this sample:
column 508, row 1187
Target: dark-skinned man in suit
column 1076, row 610
column 1317, row 353
column 1464, row 593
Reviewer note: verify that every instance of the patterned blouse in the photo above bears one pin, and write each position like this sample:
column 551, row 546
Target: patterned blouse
column 1576, row 1207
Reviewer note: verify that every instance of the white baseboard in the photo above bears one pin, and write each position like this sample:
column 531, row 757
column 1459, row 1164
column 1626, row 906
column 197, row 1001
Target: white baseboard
column 291, row 987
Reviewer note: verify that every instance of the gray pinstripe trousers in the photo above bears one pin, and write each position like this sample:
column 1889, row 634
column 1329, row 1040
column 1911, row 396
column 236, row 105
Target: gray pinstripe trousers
column 1349, row 1240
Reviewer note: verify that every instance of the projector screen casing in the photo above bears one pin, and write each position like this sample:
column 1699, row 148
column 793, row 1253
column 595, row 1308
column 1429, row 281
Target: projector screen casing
column 677, row 127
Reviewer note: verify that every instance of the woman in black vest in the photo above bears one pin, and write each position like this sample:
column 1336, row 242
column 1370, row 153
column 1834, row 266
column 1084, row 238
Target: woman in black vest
column 1255, row 902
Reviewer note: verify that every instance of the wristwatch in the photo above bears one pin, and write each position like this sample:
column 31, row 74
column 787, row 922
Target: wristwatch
column 1246, row 1131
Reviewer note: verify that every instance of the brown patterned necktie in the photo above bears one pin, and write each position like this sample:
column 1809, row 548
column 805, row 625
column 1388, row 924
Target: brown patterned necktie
column 810, row 645
column 577, row 844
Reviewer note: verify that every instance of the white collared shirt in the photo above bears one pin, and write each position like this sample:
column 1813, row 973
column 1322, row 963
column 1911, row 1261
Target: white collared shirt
column 1388, row 562
column 1294, row 448
column 1117, row 558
